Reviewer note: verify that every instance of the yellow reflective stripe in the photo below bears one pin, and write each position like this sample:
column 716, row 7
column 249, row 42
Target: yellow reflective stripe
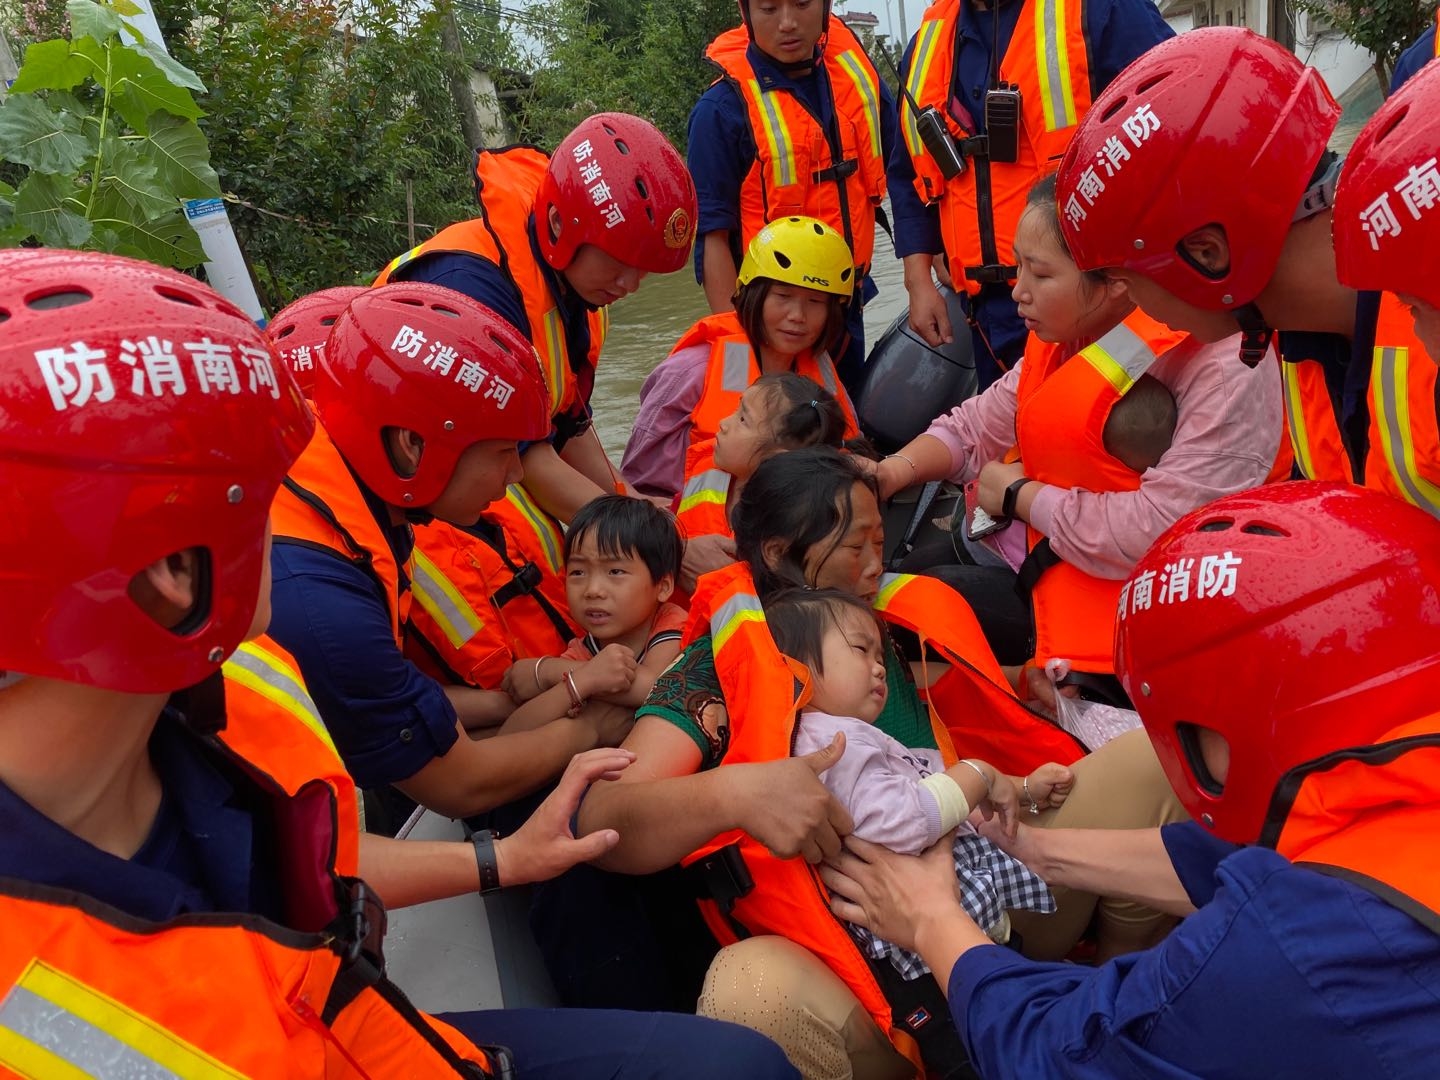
column 49, row 1015
column 728, row 617
column 869, row 94
column 890, row 584
column 777, row 135
column 267, row 675
column 1106, row 365
column 710, row 486
column 604, row 314
column 442, row 601
column 401, row 260
column 554, row 357
column 1052, row 60
column 1393, row 367
column 1295, row 419
column 920, row 61
column 544, row 530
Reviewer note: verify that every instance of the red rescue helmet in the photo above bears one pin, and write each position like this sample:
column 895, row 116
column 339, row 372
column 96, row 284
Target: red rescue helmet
column 1214, row 126
column 617, row 183
column 1387, row 207
column 1295, row 620
column 141, row 414
column 300, row 330
column 430, row 360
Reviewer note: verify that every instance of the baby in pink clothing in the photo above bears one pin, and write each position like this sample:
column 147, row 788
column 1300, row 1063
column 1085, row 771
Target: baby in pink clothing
column 902, row 797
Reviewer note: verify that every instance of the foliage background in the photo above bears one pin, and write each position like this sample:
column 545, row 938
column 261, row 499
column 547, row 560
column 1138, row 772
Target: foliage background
column 1382, row 27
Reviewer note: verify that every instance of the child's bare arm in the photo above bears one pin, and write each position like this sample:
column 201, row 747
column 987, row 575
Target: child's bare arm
column 657, row 658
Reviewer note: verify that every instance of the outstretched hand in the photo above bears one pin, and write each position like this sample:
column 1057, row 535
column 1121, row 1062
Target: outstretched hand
column 545, row 847
column 892, row 894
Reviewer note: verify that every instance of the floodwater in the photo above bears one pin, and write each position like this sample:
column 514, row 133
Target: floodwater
column 645, row 326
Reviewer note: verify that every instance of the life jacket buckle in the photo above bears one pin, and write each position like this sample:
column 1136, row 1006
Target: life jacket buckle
column 841, row 170
column 993, row 274
column 363, row 922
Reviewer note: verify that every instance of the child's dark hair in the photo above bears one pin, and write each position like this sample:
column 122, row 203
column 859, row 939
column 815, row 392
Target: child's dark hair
column 802, row 412
column 1141, row 426
column 750, row 310
column 1042, row 197
column 624, row 527
column 799, row 498
column 799, row 618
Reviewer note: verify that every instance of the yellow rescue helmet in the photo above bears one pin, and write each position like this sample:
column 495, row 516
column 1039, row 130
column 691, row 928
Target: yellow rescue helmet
column 800, row 251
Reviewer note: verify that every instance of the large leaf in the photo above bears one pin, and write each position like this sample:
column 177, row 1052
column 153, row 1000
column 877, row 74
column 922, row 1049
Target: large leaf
column 51, row 65
column 139, row 88
column 33, row 134
column 89, row 19
column 140, row 180
column 168, row 240
column 41, row 208
column 182, row 158
column 175, row 71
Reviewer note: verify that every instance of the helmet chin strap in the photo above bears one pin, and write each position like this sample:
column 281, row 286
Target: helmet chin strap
column 1255, row 333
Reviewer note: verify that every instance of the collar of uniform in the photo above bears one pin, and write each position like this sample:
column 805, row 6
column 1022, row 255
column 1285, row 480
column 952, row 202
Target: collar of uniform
column 401, row 538
column 770, row 74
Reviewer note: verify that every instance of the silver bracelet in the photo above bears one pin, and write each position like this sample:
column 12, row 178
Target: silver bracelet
column 1034, row 806
column 980, row 772
column 914, row 471
column 538, row 661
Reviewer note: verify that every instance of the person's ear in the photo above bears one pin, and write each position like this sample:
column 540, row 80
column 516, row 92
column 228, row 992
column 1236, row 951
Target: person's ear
column 1208, row 249
column 665, row 588
column 405, row 448
column 554, row 222
column 772, row 551
column 168, row 589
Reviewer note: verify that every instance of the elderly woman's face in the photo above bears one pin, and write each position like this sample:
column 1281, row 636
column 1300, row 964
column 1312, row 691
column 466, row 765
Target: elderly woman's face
column 855, row 562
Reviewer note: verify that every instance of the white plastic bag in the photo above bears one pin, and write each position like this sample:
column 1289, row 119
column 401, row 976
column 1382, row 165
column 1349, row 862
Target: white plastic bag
column 1092, row 722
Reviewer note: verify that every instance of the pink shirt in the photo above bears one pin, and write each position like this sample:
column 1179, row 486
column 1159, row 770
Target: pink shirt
column 877, row 779
column 654, row 461
column 1230, row 419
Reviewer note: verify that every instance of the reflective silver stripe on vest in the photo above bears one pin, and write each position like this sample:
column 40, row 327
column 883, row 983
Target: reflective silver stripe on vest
column 1129, row 350
column 710, row 481
column 735, row 368
column 738, row 605
column 827, row 373
column 462, row 625
column 1397, row 438
column 780, row 136
column 280, row 680
column 75, row 1040
column 1051, row 32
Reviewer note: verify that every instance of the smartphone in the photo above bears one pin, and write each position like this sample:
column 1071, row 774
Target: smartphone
column 978, row 522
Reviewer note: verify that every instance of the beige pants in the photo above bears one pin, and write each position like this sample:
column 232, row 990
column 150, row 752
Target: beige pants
column 782, row 990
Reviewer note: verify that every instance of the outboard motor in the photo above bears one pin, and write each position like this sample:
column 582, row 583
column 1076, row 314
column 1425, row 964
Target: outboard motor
column 909, row 382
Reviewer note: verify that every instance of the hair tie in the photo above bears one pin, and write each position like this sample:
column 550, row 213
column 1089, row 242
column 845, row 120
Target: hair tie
column 814, row 404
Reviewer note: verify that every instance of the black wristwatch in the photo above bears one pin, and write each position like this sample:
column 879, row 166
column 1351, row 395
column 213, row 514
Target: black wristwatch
column 484, row 841
column 1012, row 495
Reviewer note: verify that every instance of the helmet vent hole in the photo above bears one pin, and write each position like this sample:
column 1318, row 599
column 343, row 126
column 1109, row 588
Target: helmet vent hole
column 845, row 274
column 819, row 229
column 1115, row 107
column 286, row 331
column 4, row 315
column 1218, row 525
column 449, row 313
column 622, row 146
column 783, row 260
column 500, row 345
column 641, row 188
column 178, row 296
column 408, row 301
column 1152, row 82
column 61, row 298
column 328, row 320
column 1263, row 530
column 1395, row 122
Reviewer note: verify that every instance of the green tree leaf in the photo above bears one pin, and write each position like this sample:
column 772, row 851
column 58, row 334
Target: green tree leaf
column 51, row 65
column 139, row 88
column 41, row 207
column 89, row 19
column 169, row 240
column 175, row 71
column 33, row 134
column 140, row 179
column 182, row 158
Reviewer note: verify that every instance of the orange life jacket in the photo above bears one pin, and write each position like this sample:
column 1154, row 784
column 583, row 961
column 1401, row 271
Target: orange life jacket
column 795, row 169
column 703, row 499
column 1049, row 57
column 1371, row 818
column 732, row 367
column 320, row 505
column 86, row 987
column 1404, row 457
column 506, row 183
column 1310, row 419
column 477, row 610
column 763, row 691
column 268, row 712
column 1059, row 425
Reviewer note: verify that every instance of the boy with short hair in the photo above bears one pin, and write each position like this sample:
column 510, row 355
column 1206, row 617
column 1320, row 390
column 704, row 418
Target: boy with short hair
column 1141, row 426
column 622, row 558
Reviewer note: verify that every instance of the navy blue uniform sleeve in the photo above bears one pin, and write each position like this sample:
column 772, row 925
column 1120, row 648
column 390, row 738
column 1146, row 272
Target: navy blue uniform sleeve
column 1195, row 854
column 1122, row 31
column 917, row 226
column 720, row 152
column 1413, row 59
column 388, row 719
column 477, row 278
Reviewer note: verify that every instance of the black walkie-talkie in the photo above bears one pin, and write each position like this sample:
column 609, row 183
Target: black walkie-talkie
column 933, row 133
column 1002, row 122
